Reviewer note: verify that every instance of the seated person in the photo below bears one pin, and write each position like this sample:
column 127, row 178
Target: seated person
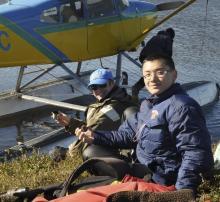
column 104, row 114
column 68, row 14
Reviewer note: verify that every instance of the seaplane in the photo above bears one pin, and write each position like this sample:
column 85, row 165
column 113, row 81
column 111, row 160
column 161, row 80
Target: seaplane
column 62, row 31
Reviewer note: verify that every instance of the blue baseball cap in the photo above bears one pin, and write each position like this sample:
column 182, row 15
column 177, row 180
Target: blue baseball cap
column 100, row 76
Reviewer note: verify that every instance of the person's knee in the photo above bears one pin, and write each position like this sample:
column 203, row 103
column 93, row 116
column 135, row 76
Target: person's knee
column 113, row 167
column 141, row 171
column 88, row 153
column 93, row 151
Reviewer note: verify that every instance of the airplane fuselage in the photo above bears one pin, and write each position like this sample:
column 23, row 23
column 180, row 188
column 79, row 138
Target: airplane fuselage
column 56, row 31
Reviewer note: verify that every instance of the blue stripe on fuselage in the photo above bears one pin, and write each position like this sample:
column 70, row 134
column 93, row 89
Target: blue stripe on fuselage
column 26, row 15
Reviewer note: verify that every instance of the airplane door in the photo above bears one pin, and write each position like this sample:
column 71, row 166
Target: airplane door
column 75, row 34
column 65, row 28
column 130, row 21
column 104, row 32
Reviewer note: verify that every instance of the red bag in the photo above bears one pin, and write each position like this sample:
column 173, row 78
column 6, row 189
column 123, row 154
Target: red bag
column 99, row 194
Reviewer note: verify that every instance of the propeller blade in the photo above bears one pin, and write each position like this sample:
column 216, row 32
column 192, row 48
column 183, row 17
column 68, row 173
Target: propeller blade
column 169, row 5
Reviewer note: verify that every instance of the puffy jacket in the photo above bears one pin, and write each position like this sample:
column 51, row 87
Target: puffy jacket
column 106, row 113
column 170, row 136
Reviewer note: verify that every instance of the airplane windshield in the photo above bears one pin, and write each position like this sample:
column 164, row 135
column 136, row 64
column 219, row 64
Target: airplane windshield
column 123, row 4
column 100, row 8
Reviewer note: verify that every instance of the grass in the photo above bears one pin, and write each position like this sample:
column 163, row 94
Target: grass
column 35, row 171
column 210, row 190
column 40, row 170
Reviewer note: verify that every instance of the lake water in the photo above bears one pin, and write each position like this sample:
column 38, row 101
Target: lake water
column 196, row 54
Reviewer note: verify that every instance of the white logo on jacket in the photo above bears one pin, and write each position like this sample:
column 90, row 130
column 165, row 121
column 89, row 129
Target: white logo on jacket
column 154, row 114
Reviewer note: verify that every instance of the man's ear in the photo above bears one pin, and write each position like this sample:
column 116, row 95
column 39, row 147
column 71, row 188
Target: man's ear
column 175, row 75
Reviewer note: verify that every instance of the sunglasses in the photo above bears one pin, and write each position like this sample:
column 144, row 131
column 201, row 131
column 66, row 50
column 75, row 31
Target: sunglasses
column 96, row 86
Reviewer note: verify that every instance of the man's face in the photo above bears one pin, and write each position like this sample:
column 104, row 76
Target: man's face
column 100, row 91
column 157, row 76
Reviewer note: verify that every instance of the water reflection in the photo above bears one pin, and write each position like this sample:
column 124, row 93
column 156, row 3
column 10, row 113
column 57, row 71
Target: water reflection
column 8, row 137
column 23, row 130
column 20, row 137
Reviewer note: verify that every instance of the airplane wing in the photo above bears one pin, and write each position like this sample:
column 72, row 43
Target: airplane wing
column 169, row 5
column 177, row 6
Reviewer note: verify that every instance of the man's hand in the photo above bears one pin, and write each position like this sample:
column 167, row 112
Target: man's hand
column 63, row 119
column 85, row 135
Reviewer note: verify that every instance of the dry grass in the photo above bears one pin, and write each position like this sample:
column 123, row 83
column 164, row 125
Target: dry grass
column 210, row 190
column 40, row 170
column 35, row 171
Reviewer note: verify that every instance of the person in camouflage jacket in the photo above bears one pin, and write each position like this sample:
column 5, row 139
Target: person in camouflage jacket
column 104, row 114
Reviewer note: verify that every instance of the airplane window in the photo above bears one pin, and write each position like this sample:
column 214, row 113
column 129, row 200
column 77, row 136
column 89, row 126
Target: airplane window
column 93, row 1
column 100, row 8
column 77, row 6
column 3, row 2
column 50, row 15
column 68, row 13
column 123, row 4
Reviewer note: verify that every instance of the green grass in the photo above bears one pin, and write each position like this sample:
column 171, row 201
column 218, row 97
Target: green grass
column 40, row 170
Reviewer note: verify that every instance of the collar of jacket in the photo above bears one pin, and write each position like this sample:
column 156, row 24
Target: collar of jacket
column 115, row 87
column 117, row 93
column 174, row 89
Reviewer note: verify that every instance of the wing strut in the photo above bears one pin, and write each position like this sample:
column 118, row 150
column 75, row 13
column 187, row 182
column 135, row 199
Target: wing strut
column 45, row 71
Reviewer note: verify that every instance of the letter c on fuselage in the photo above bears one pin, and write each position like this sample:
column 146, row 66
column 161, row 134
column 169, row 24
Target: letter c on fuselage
column 4, row 41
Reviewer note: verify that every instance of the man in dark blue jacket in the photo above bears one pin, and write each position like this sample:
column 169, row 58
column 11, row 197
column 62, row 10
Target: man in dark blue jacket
column 169, row 132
